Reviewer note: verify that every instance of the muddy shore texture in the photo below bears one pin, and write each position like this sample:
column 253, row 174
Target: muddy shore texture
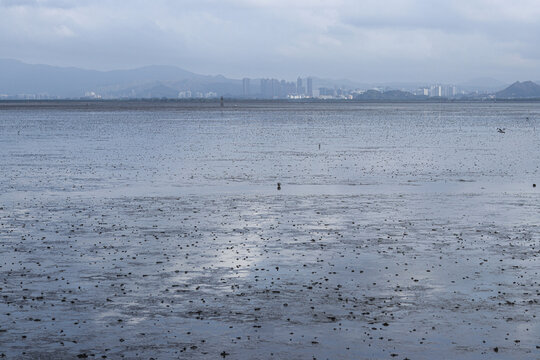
column 411, row 232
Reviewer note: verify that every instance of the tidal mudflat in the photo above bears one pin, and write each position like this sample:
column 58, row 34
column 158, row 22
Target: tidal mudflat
column 156, row 230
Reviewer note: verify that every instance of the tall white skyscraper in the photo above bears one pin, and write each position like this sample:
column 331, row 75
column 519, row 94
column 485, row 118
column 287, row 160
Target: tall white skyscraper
column 309, row 87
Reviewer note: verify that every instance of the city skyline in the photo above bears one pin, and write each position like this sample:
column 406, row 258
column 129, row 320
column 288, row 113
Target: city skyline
column 27, row 81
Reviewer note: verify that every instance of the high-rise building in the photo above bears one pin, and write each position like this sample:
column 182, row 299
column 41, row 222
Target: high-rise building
column 436, row 91
column 266, row 88
column 309, row 87
column 282, row 89
column 245, row 87
column 299, row 87
column 288, row 88
column 276, row 88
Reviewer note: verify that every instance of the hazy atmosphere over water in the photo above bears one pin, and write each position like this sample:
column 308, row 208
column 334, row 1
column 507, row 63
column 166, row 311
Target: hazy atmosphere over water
column 409, row 40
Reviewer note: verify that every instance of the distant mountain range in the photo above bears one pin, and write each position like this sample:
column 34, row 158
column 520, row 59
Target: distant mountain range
column 67, row 82
column 18, row 79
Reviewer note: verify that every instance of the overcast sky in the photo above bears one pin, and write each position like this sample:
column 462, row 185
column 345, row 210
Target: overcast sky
column 363, row 40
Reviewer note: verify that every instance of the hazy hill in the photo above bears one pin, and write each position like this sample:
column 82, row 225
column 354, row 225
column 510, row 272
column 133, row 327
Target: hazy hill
column 525, row 89
column 19, row 78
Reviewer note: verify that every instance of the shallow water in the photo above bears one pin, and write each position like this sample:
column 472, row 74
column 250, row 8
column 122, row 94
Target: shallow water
column 145, row 230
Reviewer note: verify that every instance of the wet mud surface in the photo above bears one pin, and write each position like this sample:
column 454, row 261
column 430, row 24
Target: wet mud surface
column 413, row 232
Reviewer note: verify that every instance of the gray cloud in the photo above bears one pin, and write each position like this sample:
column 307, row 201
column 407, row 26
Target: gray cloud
column 368, row 40
column 62, row 4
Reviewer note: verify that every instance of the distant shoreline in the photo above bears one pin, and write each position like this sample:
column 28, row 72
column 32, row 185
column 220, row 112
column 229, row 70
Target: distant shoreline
column 231, row 102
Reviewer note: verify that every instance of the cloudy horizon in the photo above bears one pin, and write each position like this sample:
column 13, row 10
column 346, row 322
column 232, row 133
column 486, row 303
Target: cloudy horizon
column 398, row 41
